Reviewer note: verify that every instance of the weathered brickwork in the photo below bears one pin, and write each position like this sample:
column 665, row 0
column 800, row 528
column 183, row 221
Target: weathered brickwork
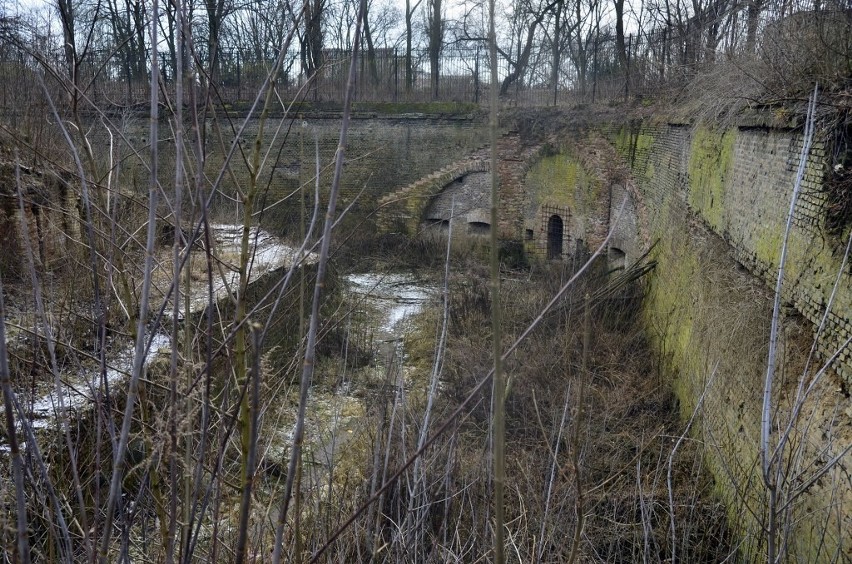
column 50, row 213
column 582, row 185
column 515, row 160
column 405, row 209
column 745, row 200
column 383, row 154
column 428, row 198
column 717, row 203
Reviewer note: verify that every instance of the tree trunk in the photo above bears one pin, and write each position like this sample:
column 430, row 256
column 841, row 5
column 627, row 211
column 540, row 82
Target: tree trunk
column 371, row 51
column 752, row 20
column 436, row 38
column 66, row 17
column 557, row 37
column 619, row 34
column 409, row 71
column 523, row 60
column 312, row 43
column 215, row 13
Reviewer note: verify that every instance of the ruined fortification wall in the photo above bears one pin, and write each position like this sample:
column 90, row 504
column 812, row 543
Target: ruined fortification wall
column 716, row 202
column 383, row 153
column 50, row 216
column 739, row 182
column 578, row 182
column 425, row 204
column 713, row 203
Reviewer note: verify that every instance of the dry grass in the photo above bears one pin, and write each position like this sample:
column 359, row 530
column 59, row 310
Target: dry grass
column 623, row 445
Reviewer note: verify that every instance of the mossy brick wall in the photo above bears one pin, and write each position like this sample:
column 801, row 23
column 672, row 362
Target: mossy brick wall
column 717, row 203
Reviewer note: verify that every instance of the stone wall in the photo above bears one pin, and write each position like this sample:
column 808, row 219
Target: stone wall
column 384, row 153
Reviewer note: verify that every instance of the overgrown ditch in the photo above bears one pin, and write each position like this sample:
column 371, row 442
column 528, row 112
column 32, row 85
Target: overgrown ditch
column 597, row 456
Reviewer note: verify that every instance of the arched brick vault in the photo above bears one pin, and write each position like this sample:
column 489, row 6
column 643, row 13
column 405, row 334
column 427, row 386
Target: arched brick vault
column 522, row 216
column 584, row 181
column 426, row 201
column 472, row 193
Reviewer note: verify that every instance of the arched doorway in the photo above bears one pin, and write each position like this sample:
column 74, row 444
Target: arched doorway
column 555, row 234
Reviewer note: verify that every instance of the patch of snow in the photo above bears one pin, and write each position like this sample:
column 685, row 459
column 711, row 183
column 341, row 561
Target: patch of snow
column 398, row 296
column 269, row 253
column 79, row 392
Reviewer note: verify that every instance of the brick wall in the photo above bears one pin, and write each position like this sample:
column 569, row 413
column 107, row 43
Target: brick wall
column 427, row 201
column 383, row 154
column 405, row 209
column 50, row 216
column 717, row 203
column 580, row 182
column 748, row 207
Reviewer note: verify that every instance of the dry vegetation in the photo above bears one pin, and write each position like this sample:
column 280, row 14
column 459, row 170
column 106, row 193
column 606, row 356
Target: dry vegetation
column 274, row 420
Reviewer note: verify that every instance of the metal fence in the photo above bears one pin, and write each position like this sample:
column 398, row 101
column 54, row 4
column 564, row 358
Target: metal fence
column 588, row 69
column 464, row 76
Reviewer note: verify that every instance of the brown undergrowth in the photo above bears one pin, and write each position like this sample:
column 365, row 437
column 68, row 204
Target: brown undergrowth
column 590, row 449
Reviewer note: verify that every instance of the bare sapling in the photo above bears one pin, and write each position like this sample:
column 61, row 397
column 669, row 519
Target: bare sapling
column 670, row 464
column 499, row 392
column 322, row 265
column 770, row 477
column 144, row 300
column 576, row 447
column 418, row 501
column 59, row 388
column 472, row 396
column 22, row 532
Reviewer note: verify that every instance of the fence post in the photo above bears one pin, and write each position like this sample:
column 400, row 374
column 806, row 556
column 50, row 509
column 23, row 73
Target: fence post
column 239, row 79
column 395, row 76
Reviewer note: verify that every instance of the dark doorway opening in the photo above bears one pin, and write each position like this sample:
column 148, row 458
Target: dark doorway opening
column 555, row 235
column 478, row 228
column 617, row 258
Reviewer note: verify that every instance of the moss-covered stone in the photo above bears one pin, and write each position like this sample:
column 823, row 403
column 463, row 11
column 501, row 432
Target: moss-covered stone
column 711, row 157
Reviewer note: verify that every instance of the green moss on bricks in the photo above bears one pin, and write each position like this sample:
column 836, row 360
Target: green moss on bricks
column 553, row 178
column 767, row 245
column 622, row 141
column 560, row 180
column 632, row 142
column 643, row 142
column 710, row 160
